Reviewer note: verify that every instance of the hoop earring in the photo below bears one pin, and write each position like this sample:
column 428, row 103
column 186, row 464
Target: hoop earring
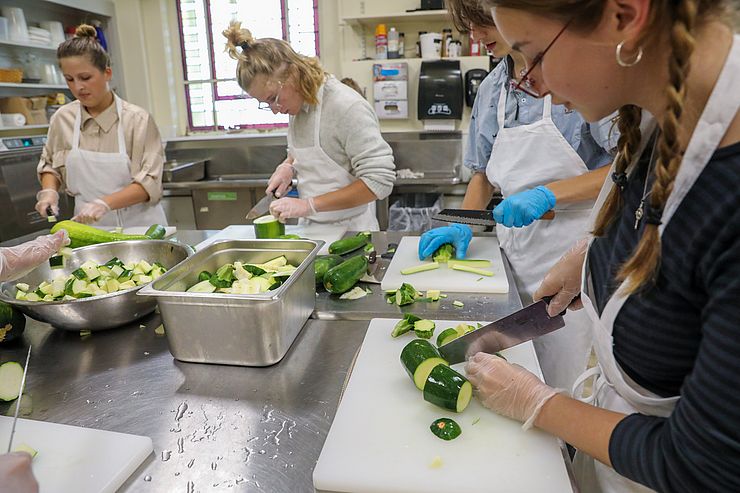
column 631, row 63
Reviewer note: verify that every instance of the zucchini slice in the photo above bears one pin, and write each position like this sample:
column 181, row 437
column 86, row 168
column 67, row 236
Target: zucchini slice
column 420, row 268
column 404, row 325
column 447, row 335
column 11, row 374
column 419, row 357
column 424, row 329
column 447, row 389
column 446, row 429
column 267, row 227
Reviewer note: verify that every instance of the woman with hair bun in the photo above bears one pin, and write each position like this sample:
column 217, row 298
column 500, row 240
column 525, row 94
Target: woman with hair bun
column 660, row 276
column 105, row 151
column 335, row 149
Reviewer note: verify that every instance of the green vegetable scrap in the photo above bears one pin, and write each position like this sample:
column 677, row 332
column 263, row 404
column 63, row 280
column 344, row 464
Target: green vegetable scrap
column 444, row 253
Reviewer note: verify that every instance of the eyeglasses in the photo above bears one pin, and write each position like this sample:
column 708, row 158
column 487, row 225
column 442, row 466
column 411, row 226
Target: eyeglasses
column 269, row 105
column 525, row 80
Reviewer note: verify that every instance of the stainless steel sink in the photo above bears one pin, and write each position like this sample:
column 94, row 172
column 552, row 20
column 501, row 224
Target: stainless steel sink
column 184, row 170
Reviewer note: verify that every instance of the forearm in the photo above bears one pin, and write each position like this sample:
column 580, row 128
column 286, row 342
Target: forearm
column 478, row 193
column 579, row 188
column 585, row 427
column 352, row 195
column 48, row 180
column 126, row 197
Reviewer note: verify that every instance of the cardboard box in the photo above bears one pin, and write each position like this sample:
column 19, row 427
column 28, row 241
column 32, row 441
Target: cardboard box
column 390, row 71
column 16, row 105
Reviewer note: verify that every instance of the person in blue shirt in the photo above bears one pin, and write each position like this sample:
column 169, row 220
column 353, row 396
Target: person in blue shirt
column 542, row 157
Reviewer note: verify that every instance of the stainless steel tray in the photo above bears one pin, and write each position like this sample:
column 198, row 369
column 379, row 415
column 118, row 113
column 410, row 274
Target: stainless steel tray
column 236, row 329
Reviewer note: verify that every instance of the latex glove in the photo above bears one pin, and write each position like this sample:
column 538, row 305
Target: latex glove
column 19, row 260
column 457, row 234
column 48, row 197
column 508, row 389
column 523, row 208
column 279, row 182
column 288, row 207
column 563, row 280
column 92, row 212
column 16, row 475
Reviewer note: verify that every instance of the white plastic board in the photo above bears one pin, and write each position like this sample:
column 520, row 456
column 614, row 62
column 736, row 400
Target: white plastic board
column 79, row 460
column 444, row 278
column 380, row 440
column 327, row 233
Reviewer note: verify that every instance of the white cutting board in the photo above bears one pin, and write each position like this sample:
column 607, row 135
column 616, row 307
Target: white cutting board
column 329, row 233
column 444, row 278
column 79, row 460
column 380, row 440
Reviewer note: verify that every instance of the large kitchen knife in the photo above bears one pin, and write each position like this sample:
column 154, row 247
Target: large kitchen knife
column 475, row 217
column 18, row 401
column 521, row 326
column 262, row 207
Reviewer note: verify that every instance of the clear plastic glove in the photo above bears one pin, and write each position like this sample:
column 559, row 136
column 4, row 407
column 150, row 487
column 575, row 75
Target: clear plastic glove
column 508, row 389
column 16, row 475
column 288, row 207
column 92, row 212
column 457, row 234
column 17, row 261
column 563, row 280
column 48, row 197
column 524, row 208
column 279, row 182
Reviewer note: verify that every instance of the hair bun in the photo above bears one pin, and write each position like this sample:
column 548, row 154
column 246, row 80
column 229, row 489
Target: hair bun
column 236, row 36
column 86, row 31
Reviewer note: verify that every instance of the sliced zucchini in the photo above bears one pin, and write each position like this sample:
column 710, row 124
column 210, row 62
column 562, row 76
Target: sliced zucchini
column 22, row 286
column 11, row 374
column 22, row 447
column 354, row 294
column 469, row 263
column 447, row 335
column 419, row 357
column 424, row 329
column 445, row 428
column 433, row 294
column 201, row 287
column 404, row 325
column 420, row 268
column 458, row 303
column 446, row 388
column 472, row 270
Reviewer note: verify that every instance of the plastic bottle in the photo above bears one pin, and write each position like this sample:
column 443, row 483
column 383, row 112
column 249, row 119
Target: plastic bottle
column 381, row 42
column 401, row 45
column 418, row 45
column 393, row 43
column 446, row 40
column 474, row 47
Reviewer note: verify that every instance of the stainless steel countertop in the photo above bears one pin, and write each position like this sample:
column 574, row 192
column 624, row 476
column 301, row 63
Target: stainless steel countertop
column 262, row 182
column 476, row 307
column 217, row 426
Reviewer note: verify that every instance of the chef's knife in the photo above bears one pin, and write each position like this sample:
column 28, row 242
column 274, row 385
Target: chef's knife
column 262, row 207
column 521, row 326
column 475, row 217
column 18, row 401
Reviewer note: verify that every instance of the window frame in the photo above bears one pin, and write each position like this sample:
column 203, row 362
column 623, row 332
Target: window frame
column 213, row 81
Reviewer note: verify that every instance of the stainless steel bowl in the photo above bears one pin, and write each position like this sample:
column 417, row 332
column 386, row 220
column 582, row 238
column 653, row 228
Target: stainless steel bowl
column 99, row 312
column 236, row 329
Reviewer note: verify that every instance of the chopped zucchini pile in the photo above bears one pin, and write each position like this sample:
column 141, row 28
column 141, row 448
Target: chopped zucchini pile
column 444, row 253
column 244, row 278
column 93, row 279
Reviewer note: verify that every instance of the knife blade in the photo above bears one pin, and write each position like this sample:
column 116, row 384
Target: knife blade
column 523, row 325
column 18, row 401
column 482, row 217
column 262, row 207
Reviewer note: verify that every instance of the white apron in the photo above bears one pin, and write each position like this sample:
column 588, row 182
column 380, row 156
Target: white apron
column 319, row 174
column 613, row 389
column 91, row 175
column 522, row 158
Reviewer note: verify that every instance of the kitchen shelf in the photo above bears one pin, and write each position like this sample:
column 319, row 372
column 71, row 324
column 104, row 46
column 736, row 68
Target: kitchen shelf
column 11, row 85
column 16, row 44
column 25, row 127
column 372, row 61
column 416, row 16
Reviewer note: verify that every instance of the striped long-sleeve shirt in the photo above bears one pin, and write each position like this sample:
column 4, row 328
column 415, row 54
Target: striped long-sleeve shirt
column 682, row 335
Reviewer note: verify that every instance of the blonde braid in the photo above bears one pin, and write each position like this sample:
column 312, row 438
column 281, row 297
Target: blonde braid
column 629, row 141
column 643, row 266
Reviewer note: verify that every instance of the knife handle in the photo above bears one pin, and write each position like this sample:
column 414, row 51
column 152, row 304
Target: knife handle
column 548, row 216
column 548, row 299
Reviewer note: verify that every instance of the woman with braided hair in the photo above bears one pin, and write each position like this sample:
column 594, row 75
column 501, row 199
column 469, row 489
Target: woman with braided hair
column 335, row 148
column 660, row 277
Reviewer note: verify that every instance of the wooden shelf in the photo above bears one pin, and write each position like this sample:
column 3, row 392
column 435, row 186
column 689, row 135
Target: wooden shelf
column 416, row 16
column 25, row 46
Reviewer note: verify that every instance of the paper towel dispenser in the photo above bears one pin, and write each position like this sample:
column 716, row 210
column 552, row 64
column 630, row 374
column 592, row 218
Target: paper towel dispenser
column 440, row 90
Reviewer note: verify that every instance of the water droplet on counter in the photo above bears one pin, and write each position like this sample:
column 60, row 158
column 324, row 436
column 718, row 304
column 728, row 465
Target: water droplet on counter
column 146, row 353
column 247, row 454
column 166, row 455
column 88, row 401
column 147, row 478
column 180, row 445
column 190, row 464
column 181, row 411
column 261, row 452
column 214, row 466
column 177, row 474
column 191, row 487
column 136, row 392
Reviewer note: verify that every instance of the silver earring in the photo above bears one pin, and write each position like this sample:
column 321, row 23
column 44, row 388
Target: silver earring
column 633, row 62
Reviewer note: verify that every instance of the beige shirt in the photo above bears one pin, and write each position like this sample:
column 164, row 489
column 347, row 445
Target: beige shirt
column 100, row 134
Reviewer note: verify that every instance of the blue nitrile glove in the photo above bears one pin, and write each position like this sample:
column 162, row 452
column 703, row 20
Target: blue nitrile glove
column 457, row 234
column 523, row 208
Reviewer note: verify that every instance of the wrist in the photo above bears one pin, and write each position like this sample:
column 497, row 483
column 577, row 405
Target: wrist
column 312, row 204
column 46, row 190
column 104, row 202
column 548, row 194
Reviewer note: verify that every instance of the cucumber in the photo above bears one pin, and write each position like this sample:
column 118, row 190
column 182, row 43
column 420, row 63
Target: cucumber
column 84, row 235
column 419, row 357
column 348, row 245
column 446, row 429
column 446, row 336
column 322, row 265
column 404, row 325
column 267, row 227
column 11, row 374
column 424, row 329
column 341, row 278
column 156, row 232
column 12, row 323
column 446, row 388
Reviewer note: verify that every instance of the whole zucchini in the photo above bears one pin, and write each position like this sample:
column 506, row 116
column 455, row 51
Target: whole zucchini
column 347, row 245
column 83, row 235
column 341, row 278
column 156, row 232
column 322, row 265
column 12, row 323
